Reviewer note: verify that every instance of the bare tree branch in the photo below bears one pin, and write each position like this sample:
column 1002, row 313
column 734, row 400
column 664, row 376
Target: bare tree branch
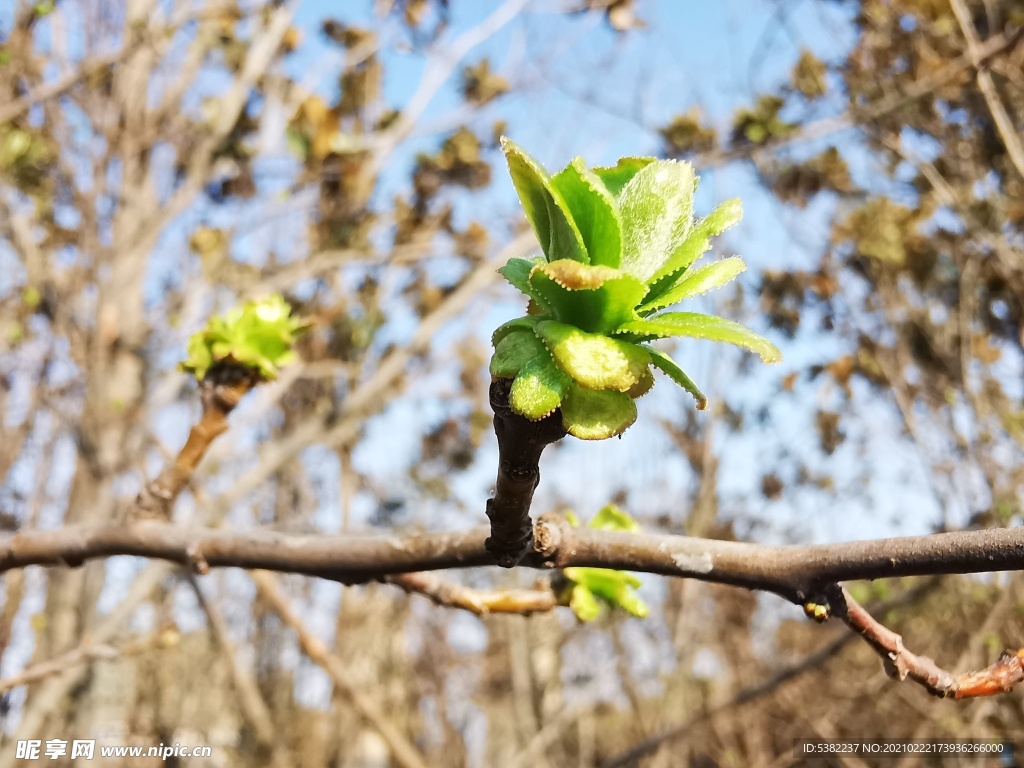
column 900, row 663
column 1007, row 130
column 403, row 750
column 451, row 594
column 799, row 573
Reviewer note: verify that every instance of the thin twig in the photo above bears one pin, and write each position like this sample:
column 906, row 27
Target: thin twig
column 404, row 751
column 163, row 638
column 250, row 700
column 751, row 693
column 901, row 664
column 1007, row 131
column 222, row 390
column 451, row 594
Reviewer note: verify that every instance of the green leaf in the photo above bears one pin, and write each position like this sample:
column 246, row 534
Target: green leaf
column 619, row 175
column 611, row 518
column 597, row 414
column 643, row 386
column 545, row 209
column 593, row 360
column 669, row 366
column 514, row 351
column 539, row 387
column 584, row 604
column 696, row 244
column 259, row 335
column 517, row 272
column 657, row 210
column 596, row 299
column 617, row 588
column 519, row 324
column 696, row 282
column 700, row 326
column 594, row 211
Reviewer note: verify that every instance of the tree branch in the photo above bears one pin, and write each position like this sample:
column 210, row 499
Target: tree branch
column 1007, row 131
column 798, row 573
column 900, row 663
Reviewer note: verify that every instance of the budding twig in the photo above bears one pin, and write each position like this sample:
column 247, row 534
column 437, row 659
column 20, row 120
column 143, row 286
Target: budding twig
column 901, row 664
column 221, row 390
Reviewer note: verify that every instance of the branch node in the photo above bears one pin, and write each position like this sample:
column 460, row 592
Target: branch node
column 196, row 560
column 547, row 538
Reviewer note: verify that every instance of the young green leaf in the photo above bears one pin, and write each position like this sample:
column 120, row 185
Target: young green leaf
column 538, row 389
column 611, row 518
column 695, row 282
column 258, row 335
column 597, row 414
column 616, row 588
column 517, row 272
column 593, row 360
column 593, row 298
column 657, row 210
column 619, row 175
column 696, row 244
column 594, row 211
column 514, row 352
column 669, row 366
column 519, row 324
column 545, row 209
column 700, row 326
column 584, row 604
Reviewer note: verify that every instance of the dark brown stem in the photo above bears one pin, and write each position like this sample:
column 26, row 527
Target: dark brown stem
column 520, row 444
column 901, row 664
column 221, row 390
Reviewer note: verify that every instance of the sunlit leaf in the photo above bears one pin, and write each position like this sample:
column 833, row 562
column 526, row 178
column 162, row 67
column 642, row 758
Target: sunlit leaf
column 538, row 389
column 699, row 326
column 547, row 213
column 597, row 414
column 667, row 365
column 259, row 335
column 696, row 244
column 619, row 175
column 593, row 360
column 594, row 211
column 696, row 282
column 593, row 298
column 656, row 208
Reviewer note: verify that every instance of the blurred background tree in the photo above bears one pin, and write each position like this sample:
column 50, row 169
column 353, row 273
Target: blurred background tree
column 162, row 161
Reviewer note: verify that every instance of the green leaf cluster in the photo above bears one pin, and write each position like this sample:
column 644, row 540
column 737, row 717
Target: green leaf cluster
column 259, row 335
column 590, row 588
column 619, row 246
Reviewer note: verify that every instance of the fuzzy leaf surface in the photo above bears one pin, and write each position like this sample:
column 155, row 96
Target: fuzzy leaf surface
column 619, row 175
column 667, row 365
column 593, row 360
column 594, row 211
column 695, row 282
column 514, row 352
column 699, row 326
column 657, row 211
column 545, row 209
column 597, row 414
column 595, row 298
column 539, row 387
